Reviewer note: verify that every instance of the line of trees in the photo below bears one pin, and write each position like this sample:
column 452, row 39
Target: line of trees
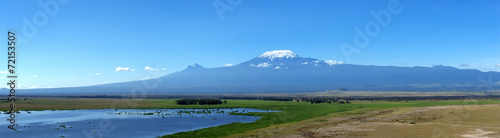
column 277, row 99
column 324, row 100
column 260, row 98
column 199, row 101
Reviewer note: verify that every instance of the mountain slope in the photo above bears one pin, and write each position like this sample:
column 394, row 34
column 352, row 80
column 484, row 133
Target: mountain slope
column 285, row 71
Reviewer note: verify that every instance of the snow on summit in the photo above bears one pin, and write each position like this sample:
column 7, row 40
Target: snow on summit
column 278, row 54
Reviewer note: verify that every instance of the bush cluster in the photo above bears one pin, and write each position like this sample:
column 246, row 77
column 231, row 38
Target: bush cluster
column 198, row 101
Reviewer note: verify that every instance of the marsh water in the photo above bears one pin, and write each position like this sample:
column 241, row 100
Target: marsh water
column 119, row 122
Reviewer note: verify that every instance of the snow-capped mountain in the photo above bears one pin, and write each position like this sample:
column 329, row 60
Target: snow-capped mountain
column 285, row 71
column 283, row 59
column 278, row 54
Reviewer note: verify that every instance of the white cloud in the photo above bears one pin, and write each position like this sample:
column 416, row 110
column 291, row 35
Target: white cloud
column 34, row 76
column 4, row 72
column 25, row 86
column 153, row 69
column 228, row 65
column 98, row 74
column 265, row 64
column 124, row 69
column 150, row 68
column 463, row 65
column 305, row 63
column 498, row 65
column 333, row 62
column 147, row 78
column 277, row 67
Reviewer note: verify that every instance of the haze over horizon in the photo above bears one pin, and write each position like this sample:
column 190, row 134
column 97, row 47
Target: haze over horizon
column 126, row 41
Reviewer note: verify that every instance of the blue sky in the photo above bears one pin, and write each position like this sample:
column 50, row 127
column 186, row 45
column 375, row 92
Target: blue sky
column 84, row 41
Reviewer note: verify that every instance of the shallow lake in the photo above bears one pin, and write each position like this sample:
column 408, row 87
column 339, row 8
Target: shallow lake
column 118, row 122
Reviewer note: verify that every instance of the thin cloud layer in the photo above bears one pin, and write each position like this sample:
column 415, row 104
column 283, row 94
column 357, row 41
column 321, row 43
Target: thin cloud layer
column 153, row 69
column 150, row 68
column 333, row 62
column 124, row 69
column 262, row 65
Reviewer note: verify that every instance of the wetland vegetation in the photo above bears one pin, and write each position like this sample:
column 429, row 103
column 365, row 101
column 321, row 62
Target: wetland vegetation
column 289, row 112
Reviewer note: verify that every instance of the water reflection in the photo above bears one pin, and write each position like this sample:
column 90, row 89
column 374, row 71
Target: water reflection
column 119, row 122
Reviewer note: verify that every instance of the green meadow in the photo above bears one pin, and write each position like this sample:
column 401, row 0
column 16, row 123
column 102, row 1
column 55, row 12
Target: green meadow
column 291, row 111
column 288, row 111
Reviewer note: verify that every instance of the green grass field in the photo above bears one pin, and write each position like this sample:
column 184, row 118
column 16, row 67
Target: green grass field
column 293, row 112
column 290, row 111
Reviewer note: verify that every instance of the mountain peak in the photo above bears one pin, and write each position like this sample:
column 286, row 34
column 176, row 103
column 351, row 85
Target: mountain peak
column 278, row 54
column 194, row 66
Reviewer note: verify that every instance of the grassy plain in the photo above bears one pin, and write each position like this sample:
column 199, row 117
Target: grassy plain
column 467, row 121
column 300, row 118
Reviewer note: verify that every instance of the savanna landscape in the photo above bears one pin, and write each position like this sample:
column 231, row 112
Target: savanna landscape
column 344, row 116
column 250, row 69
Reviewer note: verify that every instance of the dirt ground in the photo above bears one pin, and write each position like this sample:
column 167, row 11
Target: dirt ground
column 469, row 121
